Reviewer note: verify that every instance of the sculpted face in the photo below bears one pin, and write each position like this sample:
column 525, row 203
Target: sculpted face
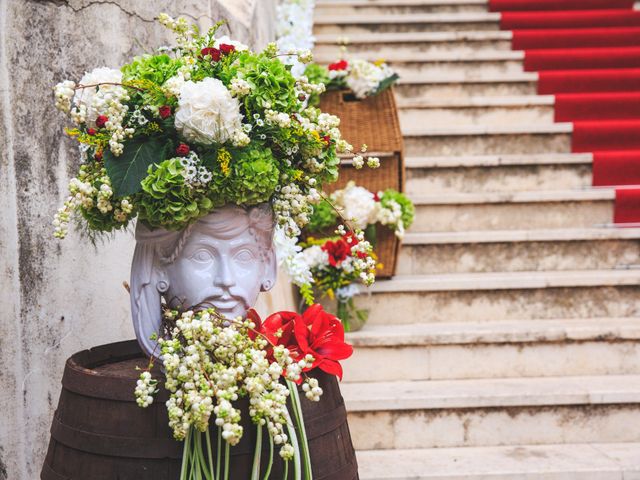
column 227, row 274
column 224, row 260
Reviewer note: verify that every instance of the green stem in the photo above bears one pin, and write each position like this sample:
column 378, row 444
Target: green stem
column 201, row 458
column 210, row 455
column 297, row 474
column 270, row 464
column 226, row 461
column 297, row 409
column 185, row 455
column 255, row 471
column 219, row 455
column 286, row 470
column 195, row 462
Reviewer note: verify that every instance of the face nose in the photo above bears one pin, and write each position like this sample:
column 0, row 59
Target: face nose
column 224, row 277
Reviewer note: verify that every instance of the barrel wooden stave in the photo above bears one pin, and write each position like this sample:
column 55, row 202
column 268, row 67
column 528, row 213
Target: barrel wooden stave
column 99, row 432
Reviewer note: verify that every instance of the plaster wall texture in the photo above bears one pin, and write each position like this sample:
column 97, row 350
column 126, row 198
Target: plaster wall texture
column 60, row 297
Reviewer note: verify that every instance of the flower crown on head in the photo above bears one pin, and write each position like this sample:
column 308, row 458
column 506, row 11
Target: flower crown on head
column 173, row 135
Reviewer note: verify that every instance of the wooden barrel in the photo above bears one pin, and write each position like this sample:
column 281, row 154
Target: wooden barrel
column 100, row 433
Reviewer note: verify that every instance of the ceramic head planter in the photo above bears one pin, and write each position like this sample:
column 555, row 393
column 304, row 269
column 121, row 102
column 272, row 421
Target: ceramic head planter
column 223, row 260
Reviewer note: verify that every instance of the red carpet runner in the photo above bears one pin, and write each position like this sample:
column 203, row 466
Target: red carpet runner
column 587, row 53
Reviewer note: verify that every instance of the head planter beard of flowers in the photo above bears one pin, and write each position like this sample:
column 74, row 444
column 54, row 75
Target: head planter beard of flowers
column 172, row 136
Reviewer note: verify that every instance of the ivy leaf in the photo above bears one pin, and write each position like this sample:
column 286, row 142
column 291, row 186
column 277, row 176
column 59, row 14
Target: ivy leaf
column 130, row 168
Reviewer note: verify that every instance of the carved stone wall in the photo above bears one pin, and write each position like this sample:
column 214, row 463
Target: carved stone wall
column 60, row 297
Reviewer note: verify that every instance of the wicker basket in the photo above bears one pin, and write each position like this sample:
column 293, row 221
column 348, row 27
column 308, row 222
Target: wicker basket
column 374, row 122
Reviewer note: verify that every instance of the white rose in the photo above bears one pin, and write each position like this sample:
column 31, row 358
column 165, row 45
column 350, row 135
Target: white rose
column 207, row 113
column 357, row 204
column 87, row 98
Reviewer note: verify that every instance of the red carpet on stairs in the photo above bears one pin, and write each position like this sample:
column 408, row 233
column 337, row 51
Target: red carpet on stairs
column 582, row 58
column 587, row 53
column 570, row 19
column 574, row 81
column 529, row 5
column 576, row 38
column 616, row 168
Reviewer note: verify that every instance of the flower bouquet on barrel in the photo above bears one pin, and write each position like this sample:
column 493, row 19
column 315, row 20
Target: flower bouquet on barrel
column 214, row 149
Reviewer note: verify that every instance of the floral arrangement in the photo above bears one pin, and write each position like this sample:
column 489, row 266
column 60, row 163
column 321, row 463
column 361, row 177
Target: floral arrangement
column 171, row 136
column 337, row 264
column 362, row 77
column 211, row 362
column 363, row 209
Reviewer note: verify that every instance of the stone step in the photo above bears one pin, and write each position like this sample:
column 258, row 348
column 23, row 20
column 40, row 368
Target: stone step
column 482, row 297
column 498, row 173
column 383, row 7
column 445, row 63
column 595, row 461
column 519, row 250
column 388, row 45
column 427, row 140
column 424, row 22
column 513, row 211
column 493, row 412
column 524, row 348
column 508, row 110
column 470, row 84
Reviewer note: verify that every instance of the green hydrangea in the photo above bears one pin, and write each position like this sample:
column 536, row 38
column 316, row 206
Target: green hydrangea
column 167, row 201
column 324, row 216
column 254, row 176
column 155, row 68
column 272, row 83
column 408, row 210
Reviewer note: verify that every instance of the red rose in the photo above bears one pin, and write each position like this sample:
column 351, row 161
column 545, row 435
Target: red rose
column 91, row 131
column 183, row 150
column 376, row 197
column 338, row 251
column 164, row 111
column 321, row 335
column 213, row 52
column 341, row 65
column 101, row 121
column 227, row 49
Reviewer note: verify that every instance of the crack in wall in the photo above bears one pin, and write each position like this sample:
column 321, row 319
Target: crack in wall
column 65, row 3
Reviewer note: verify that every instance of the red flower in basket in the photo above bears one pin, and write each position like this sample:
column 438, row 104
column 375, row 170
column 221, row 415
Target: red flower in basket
column 338, row 250
column 341, row 65
column 321, row 335
column 213, row 52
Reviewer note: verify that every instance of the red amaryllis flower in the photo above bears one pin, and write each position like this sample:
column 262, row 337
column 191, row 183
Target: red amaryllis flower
column 227, row 49
column 101, row 121
column 183, row 150
column 164, row 111
column 321, row 335
column 341, row 65
column 278, row 329
column 213, row 52
column 338, row 251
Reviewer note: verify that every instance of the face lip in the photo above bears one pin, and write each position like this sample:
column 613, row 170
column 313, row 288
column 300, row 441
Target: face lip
column 224, row 303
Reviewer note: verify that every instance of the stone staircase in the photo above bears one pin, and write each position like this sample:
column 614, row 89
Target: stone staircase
column 507, row 347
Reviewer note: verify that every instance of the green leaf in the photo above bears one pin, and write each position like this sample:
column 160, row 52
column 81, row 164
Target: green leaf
column 130, row 168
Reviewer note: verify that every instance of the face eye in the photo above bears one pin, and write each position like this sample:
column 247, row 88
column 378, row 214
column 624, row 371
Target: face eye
column 245, row 256
column 202, row 256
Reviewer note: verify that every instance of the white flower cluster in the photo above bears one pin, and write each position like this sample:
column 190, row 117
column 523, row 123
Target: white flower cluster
column 294, row 31
column 360, row 259
column 84, row 194
column 146, row 387
column 291, row 257
column 207, row 113
column 365, row 77
column 361, row 208
column 195, row 174
column 210, row 362
column 239, row 87
column 292, row 207
column 356, row 204
column 64, row 92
